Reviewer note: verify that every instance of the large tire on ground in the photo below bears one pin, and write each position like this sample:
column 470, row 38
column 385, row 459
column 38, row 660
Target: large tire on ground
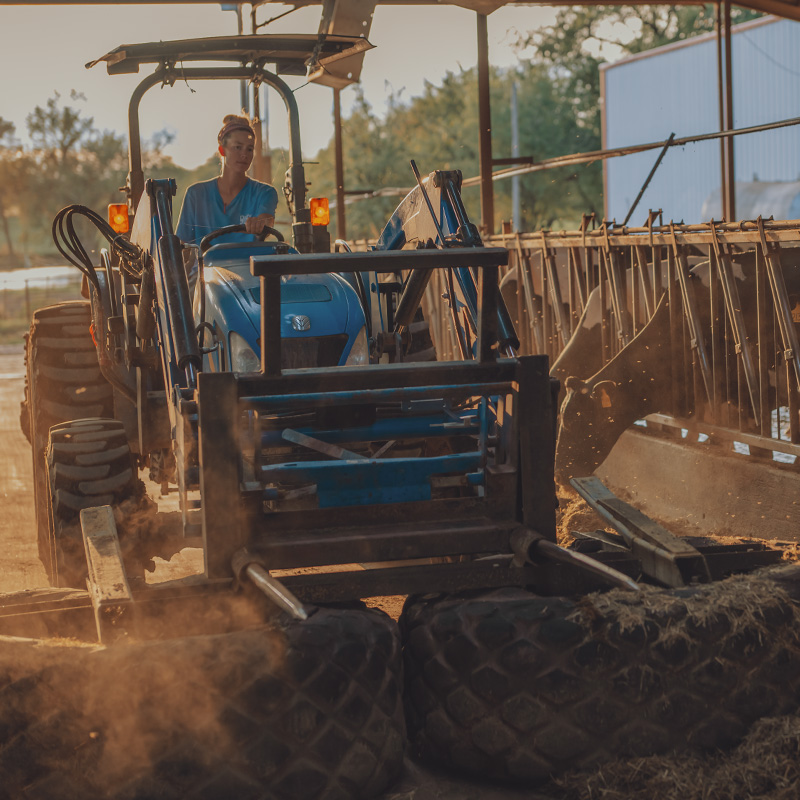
column 63, row 382
column 89, row 463
column 303, row 711
column 516, row 688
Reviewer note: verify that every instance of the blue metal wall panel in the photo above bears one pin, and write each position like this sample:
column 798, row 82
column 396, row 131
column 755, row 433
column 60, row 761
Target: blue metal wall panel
column 674, row 89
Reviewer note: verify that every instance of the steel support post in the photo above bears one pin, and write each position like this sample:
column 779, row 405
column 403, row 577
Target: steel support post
column 723, row 192
column 725, row 91
column 258, row 152
column 244, row 94
column 341, row 228
column 262, row 158
column 485, row 128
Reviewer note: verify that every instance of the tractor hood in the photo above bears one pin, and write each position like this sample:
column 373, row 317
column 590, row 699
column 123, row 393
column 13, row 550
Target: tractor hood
column 314, row 307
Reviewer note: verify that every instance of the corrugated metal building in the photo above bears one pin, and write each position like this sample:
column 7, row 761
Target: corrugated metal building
column 674, row 89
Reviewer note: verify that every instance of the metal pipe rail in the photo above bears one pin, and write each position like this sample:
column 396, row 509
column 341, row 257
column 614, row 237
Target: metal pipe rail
column 733, row 291
column 312, row 400
column 526, row 165
column 550, row 278
column 372, row 518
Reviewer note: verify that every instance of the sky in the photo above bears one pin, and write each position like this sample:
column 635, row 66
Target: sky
column 43, row 50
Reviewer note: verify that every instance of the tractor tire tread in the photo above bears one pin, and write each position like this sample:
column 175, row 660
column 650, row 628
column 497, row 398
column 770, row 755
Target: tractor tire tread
column 514, row 687
column 70, row 504
column 70, row 375
column 110, row 480
column 112, row 483
column 64, row 473
column 295, row 710
column 63, row 382
column 83, row 359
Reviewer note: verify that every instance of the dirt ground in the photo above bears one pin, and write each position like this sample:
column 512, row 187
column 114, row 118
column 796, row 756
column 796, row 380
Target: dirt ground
column 21, row 569
column 764, row 766
column 21, row 566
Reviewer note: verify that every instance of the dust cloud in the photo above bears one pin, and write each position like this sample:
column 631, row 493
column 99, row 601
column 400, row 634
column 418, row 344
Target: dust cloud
column 121, row 721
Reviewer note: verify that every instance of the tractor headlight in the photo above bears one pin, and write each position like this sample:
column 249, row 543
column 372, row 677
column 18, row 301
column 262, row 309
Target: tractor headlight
column 243, row 359
column 359, row 352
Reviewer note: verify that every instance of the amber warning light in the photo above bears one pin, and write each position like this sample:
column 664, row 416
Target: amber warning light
column 118, row 217
column 320, row 213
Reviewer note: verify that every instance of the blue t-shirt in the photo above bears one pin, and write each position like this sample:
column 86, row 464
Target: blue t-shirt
column 203, row 212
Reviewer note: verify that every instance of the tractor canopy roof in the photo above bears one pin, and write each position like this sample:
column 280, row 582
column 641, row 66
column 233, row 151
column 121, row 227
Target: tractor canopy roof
column 292, row 54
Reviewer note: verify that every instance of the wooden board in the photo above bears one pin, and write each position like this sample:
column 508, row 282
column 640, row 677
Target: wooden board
column 108, row 584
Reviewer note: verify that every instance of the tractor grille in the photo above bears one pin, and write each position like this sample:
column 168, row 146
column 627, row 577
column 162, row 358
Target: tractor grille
column 301, row 352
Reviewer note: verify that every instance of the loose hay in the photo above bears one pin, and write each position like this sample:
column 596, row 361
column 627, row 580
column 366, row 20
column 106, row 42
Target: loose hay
column 744, row 600
column 765, row 766
column 575, row 514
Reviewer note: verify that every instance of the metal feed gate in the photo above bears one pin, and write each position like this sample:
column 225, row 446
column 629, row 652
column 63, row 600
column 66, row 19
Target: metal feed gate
column 723, row 300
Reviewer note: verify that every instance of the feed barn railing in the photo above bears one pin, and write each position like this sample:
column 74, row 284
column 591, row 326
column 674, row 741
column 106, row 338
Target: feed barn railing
column 721, row 299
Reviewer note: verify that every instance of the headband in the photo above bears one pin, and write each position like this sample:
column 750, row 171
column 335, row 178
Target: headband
column 230, row 127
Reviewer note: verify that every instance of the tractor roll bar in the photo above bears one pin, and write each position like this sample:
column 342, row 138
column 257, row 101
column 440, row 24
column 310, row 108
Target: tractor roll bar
column 296, row 182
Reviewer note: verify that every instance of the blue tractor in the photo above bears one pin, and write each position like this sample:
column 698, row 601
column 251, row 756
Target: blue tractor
column 291, row 364
column 278, row 398
column 147, row 330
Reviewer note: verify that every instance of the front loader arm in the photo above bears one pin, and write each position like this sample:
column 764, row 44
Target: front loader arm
column 179, row 342
column 412, row 225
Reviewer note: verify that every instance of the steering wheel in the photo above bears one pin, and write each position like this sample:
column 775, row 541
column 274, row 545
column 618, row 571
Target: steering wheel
column 206, row 241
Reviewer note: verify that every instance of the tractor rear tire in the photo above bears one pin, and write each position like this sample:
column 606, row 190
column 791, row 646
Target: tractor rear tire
column 517, row 688
column 89, row 463
column 63, row 382
column 302, row 711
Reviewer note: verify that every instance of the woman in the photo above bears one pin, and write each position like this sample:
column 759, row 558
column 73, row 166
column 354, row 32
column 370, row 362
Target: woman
column 232, row 198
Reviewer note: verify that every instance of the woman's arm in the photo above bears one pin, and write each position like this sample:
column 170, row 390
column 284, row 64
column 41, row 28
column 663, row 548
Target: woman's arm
column 266, row 207
column 256, row 224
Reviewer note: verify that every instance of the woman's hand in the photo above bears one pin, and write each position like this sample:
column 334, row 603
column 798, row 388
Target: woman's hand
column 256, row 224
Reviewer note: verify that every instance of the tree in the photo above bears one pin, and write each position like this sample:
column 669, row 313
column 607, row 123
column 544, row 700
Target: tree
column 601, row 31
column 371, row 162
column 559, row 113
column 6, row 137
column 70, row 162
column 551, row 123
column 439, row 130
column 581, row 38
column 56, row 131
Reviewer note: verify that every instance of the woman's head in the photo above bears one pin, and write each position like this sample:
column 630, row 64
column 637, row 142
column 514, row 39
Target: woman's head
column 231, row 123
column 236, row 142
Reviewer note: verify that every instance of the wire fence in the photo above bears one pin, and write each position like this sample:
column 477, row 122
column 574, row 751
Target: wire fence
column 21, row 295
